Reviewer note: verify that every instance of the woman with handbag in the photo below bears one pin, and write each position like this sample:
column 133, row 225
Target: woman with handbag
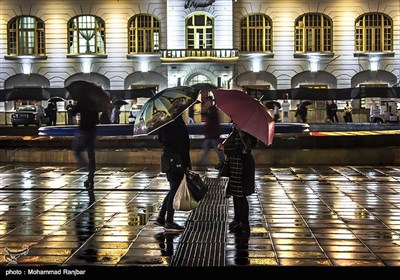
column 237, row 149
column 175, row 140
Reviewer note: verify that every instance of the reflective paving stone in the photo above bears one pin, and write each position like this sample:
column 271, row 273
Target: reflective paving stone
column 299, row 216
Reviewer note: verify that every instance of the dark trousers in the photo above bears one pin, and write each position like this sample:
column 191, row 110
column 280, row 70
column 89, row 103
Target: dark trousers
column 241, row 209
column 167, row 205
column 70, row 118
column 85, row 140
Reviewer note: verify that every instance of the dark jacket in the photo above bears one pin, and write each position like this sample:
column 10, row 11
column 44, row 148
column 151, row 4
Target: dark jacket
column 175, row 138
column 212, row 129
column 237, row 149
column 89, row 119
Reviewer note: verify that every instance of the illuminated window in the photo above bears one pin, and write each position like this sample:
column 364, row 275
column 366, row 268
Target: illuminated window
column 26, row 36
column 199, row 30
column 86, row 35
column 313, row 33
column 256, row 33
column 373, row 33
column 144, row 34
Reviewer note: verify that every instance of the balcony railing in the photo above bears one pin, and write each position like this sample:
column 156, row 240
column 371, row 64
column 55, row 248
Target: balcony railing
column 199, row 55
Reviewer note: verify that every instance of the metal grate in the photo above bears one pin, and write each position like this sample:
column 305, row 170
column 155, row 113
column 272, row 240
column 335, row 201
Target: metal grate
column 203, row 241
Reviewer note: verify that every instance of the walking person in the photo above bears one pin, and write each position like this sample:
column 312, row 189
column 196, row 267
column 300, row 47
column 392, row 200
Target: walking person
column 51, row 110
column 276, row 112
column 348, row 112
column 333, row 112
column 237, row 148
column 70, row 113
column 175, row 139
column 211, row 133
column 116, row 111
column 85, row 139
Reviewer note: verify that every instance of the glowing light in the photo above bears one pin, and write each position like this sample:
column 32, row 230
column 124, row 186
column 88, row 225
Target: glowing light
column 26, row 68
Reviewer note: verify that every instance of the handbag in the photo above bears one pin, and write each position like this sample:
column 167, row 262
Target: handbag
column 184, row 199
column 196, row 185
column 171, row 162
column 224, row 169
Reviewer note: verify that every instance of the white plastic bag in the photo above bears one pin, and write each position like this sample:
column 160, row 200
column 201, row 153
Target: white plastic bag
column 183, row 199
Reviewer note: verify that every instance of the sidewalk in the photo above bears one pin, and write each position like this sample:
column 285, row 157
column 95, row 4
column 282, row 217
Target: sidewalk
column 300, row 216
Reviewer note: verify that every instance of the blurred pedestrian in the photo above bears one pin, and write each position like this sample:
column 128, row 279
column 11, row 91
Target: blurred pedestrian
column 333, row 112
column 211, row 132
column 116, row 111
column 301, row 113
column 70, row 113
column 51, row 110
column 237, row 148
column 276, row 112
column 174, row 137
column 85, row 139
column 348, row 112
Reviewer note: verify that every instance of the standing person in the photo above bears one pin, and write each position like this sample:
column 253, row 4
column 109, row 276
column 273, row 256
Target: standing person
column 237, row 148
column 191, row 115
column 328, row 112
column 51, row 110
column 348, row 112
column 276, row 112
column 333, row 112
column 115, row 114
column 211, row 132
column 175, row 139
column 85, row 138
column 301, row 113
column 70, row 113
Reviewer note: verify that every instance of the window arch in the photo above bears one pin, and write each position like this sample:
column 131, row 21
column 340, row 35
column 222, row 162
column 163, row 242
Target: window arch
column 373, row 33
column 26, row 36
column 199, row 31
column 86, row 35
column 144, row 34
column 313, row 33
column 256, row 33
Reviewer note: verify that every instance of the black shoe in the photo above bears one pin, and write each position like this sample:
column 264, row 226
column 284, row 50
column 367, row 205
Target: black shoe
column 89, row 185
column 173, row 227
column 241, row 228
column 160, row 221
column 232, row 225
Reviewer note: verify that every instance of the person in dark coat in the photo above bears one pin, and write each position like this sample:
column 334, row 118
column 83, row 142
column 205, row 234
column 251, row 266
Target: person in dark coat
column 175, row 139
column 70, row 113
column 85, row 138
column 333, row 112
column 51, row 110
column 211, row 133
column 237, row 148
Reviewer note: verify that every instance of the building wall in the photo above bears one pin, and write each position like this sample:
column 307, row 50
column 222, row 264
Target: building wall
column 277, row 71
column 343, row 14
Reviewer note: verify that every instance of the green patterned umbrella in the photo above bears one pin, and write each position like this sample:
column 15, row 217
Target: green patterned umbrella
column 163, row 108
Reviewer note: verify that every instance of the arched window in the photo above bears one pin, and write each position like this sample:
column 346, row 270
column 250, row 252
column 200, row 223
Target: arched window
column 144, row 34
column 26, row 36
column 313, row 33
column 256, row 33
column 86, row 35
column 199, row 31
column 373, row 33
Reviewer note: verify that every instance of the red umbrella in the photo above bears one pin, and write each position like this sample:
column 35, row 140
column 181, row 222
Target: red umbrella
column 248, row 113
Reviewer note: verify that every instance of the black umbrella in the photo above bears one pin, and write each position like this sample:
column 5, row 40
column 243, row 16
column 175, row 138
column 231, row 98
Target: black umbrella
column 203, row 87
column 89, row 96
column 119, row 102
column 56, row 99
column 28, row 93
column 271, row 104
column 306, row 103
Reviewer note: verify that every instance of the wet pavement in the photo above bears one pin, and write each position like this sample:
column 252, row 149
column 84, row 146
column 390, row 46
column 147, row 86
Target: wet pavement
column 328, row 216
